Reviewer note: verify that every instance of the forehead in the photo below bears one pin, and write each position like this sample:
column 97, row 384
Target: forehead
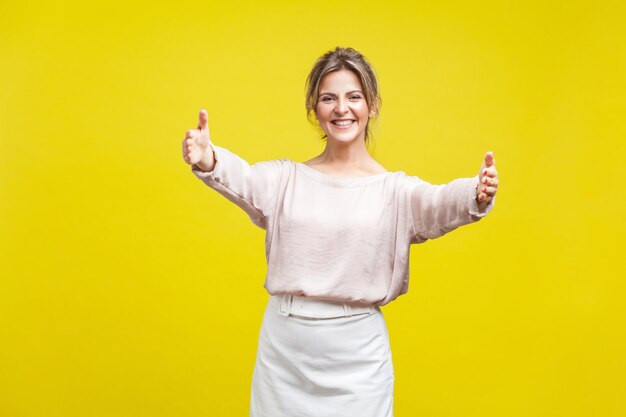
column 340, row 81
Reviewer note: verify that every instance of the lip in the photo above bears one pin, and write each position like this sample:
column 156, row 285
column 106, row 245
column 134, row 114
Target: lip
column 343, row 120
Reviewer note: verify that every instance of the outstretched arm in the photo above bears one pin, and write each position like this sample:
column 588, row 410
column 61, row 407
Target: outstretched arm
column 439, row 209
column 251, row 187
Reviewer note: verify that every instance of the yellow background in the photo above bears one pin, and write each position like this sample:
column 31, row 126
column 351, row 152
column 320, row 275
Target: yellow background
column 128, row 288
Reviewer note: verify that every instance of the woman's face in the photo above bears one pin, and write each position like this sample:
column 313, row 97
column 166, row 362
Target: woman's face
column 341, row 107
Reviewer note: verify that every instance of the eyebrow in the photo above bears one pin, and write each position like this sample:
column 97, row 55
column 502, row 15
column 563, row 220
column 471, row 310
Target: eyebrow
column 335, row 95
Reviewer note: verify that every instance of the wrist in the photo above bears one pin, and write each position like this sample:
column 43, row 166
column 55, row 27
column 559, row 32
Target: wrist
column 207, row 163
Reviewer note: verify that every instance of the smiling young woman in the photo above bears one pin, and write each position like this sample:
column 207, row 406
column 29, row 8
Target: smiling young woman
column 338, row 232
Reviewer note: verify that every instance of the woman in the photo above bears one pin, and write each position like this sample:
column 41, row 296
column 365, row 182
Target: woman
column 338, row 232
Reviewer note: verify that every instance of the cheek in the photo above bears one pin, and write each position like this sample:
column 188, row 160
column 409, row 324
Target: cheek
column 364, row 112
column 321, row 114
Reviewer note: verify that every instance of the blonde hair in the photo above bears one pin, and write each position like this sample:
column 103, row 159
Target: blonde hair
column 338, row 59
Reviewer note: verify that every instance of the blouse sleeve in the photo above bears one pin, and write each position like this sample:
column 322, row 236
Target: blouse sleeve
column 251, row 187
column 439, row 209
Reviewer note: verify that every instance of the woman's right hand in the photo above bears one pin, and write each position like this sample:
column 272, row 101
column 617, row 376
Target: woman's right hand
column 196, row 149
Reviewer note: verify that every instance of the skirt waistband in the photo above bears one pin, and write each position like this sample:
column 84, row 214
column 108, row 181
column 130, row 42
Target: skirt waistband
column 322, row 309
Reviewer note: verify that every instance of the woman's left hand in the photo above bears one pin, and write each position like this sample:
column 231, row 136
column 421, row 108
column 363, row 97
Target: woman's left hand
column 487, row 181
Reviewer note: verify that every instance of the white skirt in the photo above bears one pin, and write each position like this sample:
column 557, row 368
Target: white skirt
column 322, row 367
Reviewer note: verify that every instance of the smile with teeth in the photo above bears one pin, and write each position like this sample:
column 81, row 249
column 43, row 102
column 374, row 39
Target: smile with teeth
column 343, row 123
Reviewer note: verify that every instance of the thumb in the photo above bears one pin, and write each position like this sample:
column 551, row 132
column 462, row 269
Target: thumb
column 489, row 159
column 203, row 120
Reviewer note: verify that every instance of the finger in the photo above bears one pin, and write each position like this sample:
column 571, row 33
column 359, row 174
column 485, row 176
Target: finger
column 490, row 191
column 190, row 134
column 203, row 120
column 490, row 172
column 489, row 159
column 188, row 144
column 185, row 153
column 491, row 181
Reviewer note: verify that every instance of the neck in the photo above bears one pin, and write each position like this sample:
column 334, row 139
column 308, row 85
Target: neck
column 345, row 155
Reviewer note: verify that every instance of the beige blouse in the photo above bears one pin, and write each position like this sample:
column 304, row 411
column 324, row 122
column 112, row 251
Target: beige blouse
column 336, row 238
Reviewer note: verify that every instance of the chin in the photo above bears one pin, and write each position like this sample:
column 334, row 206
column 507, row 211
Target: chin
column 343, row 140
column 345, row 137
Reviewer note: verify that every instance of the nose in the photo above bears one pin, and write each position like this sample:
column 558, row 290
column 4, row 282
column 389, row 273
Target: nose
column 341, row 106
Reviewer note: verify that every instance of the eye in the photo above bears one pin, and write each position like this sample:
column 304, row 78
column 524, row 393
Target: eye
column 326, row 99
column 355, row 97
